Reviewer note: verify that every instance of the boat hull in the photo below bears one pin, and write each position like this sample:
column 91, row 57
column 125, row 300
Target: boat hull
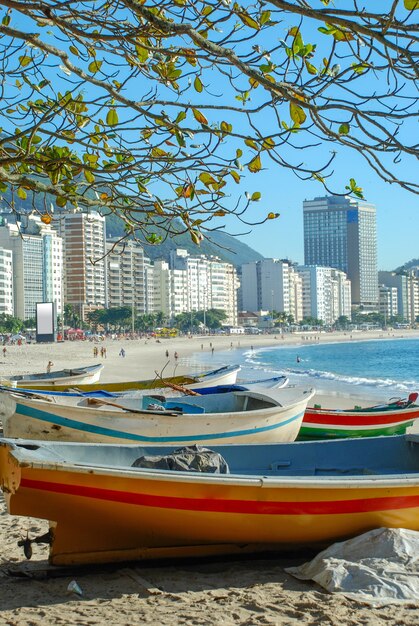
column 39, row 419
column 154, row 514
column 91, row 375
column 222, row 376
column 334, row 424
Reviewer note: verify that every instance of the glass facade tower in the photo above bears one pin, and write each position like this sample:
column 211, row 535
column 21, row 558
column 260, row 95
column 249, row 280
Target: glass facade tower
column 341, row 232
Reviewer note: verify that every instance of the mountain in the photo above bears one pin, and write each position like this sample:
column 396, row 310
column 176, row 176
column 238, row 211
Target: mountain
column 226, row 247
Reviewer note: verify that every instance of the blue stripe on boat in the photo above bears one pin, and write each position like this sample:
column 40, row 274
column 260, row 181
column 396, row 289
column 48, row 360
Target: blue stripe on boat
column 69, row 423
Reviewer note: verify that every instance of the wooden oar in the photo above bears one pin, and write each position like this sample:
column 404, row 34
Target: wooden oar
column 187, row 392
column 100, row 402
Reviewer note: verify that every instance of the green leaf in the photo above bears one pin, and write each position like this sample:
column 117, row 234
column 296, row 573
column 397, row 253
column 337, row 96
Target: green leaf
column 344, row 129
column 311, row 69
column 198, row 84
column 22, row 193
column 89, row 176
column 112, row 118
column 74, row 50
column 95, row 66
column 411, row 5
column 255, row 196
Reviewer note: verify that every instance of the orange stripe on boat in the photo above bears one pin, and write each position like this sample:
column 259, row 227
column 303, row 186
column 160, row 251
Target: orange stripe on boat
column 229, row 506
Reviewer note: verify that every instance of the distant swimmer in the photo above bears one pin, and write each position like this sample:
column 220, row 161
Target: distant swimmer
column 298, row 359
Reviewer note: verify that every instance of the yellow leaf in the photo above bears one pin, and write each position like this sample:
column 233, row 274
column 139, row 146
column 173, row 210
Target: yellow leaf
column 255, row 165
column 254, row 83
column 22, row 193
column 112, row 118
column 200, row 117
column 251, row 143
column 249, row 21
column 297, row 114
column 46, row 218
column 235, row 176
column 187, row 191
column 411, row 5
column 272, row 216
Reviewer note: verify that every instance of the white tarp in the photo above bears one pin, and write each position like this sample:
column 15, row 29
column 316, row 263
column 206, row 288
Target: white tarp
column 379, row 567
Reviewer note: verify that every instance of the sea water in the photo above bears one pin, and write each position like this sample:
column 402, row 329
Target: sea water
column 377, row 369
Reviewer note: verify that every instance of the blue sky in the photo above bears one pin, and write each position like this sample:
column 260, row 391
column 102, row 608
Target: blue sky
column 283, row 192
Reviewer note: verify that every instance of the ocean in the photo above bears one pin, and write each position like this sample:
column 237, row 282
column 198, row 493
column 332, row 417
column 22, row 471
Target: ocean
column 378, row 369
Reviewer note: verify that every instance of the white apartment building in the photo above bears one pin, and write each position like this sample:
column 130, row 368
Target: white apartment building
column 126, row 280
column 326, row 293
column 84, row 237
column 407, row 286
column 37, row 253
column 171, row 293
column 195, row 283
column 6, row 281
column 296, row 295
column 387, row 304
column 271, row 285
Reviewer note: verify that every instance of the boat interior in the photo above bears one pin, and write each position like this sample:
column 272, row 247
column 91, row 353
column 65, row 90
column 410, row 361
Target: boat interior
column 377, row 456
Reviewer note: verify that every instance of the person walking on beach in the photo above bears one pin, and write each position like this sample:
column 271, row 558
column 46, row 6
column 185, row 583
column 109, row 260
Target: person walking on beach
column 4, row 351
column 50, row 364
column 167, row 354
column 122, row 352
column 176, row 356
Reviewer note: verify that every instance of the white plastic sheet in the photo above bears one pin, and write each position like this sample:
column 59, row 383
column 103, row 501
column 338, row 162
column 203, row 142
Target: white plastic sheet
column 379, row 567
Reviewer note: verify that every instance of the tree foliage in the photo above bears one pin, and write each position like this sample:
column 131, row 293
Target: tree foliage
column 158, row 109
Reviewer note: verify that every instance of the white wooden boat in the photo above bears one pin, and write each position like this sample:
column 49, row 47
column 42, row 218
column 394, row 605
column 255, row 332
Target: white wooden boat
column 115, row 503
column 225, row 375
column 257, row 415
column 70, row 376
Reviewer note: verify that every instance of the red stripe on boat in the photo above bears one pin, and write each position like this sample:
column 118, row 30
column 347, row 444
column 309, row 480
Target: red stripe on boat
column 229, row 506
column 343, row 419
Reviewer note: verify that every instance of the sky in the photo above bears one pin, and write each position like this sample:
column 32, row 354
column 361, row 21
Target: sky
column 283, row 192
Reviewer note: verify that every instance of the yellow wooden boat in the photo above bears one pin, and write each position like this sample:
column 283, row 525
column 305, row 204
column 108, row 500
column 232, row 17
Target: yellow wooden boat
column 226, row 375
column 113, row 503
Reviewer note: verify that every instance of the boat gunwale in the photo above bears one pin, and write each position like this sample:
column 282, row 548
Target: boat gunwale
column 134, row 414
column 313, row 482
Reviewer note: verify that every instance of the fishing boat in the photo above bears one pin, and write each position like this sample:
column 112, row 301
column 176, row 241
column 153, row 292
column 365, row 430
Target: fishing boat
column 249, row 416
column 226, row 375
column 275, row 382
column 247, row 499
column 392, row 418
column 70, row 376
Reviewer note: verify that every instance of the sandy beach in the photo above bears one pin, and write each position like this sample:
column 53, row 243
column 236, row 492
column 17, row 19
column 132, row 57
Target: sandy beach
column 224, row 591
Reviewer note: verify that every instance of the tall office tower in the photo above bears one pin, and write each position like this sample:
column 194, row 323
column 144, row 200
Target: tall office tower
column 6, row 281
column 84, row 237
column 126, row 267
column 341, row 232
column 326, row 293
column 265, row 285
column 37, row 262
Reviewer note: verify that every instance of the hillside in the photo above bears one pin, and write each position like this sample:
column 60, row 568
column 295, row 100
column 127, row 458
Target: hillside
column 225, row 246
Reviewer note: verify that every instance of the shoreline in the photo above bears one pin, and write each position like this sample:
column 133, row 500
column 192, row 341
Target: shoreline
column 145, row 356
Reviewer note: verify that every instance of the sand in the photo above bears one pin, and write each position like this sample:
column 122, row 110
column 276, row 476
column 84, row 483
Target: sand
column 225, row 591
